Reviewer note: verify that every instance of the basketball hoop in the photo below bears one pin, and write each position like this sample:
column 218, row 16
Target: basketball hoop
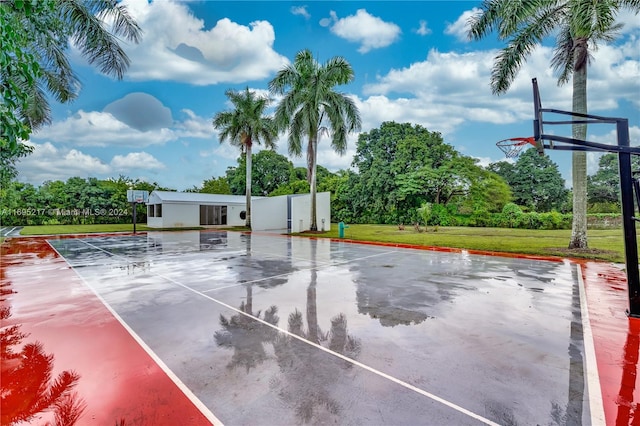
column 512, row 146
column 137, row 196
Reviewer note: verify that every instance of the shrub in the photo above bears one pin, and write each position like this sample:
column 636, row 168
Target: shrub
column 511, row 213
column 440, row 216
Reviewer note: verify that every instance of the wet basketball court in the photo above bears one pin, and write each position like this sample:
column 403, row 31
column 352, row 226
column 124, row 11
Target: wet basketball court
column 240, row 329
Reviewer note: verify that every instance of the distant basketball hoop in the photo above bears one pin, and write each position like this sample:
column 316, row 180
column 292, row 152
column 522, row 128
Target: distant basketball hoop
column 137, row 196
column 513, row 146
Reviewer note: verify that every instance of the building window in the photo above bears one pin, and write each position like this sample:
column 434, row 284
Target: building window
column 158, row 210
column 213, row 215
column 150, row 210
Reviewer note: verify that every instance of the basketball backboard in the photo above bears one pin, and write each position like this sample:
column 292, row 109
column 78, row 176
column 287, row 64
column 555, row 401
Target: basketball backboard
column 137, row 196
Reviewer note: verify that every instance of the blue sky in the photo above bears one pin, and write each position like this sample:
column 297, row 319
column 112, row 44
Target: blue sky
column 412, row 63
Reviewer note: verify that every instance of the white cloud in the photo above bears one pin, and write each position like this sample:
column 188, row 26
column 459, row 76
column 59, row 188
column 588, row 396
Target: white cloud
column 136, row 161
column 194, row 126
column 176, row 46
column 368, row 30
column 50, row 163
column 447, row 89
column 300, row 10
column 101, row 129
column 630, row 20
column 423, row 29
column 459, row 28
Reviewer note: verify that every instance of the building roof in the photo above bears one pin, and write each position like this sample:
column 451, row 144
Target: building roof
column 196, row 197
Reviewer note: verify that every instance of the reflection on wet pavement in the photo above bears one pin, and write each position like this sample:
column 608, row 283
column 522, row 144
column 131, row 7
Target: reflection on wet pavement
column 373, row 335
column 27, row 387
column 66, row 359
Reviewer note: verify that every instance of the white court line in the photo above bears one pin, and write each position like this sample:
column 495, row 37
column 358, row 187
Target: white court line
column 402, row 383
column 6, row 234
column 187, row 392
column 591, row 366
column 297, row 270
column 266, row 253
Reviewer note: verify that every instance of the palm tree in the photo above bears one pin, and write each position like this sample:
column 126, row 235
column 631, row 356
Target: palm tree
column 41, row 34
column 311, row 107
column 580, row 25
column 245, row 125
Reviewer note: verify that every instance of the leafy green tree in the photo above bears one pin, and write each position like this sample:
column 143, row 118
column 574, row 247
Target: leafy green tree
column 243, row 126
column 402, row 166
column 424, row 213
column 504, row 169
column 488, row 193
column 217, row 185
column 77, row 200
column 535, row 181
column 270, row 169
column 604, row 185
column 8, row 172
column 33, row 60
column 578, row 26
column 311, row 106
column 294, row 187
column 337, row 184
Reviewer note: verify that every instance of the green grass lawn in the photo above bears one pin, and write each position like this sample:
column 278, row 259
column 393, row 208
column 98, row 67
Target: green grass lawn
column 606, row 245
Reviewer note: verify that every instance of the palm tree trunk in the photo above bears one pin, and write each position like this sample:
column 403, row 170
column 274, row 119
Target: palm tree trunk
column 310, row 161
column 579, row 166
column 314, row 225
column 248, row 307
column 248, row 185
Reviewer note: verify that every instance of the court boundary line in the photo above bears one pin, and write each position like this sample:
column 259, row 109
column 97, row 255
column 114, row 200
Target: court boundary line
column 165, row 368
column 596, row 403
column 323, row 265
column 379, row 373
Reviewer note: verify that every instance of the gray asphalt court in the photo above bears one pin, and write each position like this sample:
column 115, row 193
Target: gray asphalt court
column 284, row 330
column 10, row 231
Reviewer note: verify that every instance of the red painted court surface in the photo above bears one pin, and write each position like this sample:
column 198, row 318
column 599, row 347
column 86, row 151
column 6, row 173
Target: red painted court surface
column 193, row 328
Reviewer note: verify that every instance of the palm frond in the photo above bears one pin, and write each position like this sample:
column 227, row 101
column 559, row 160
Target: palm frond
column 563, row 59
column 485, row 20
column 524, row 40
column 123, row 24
column 296, row 131
column 38, row 112
column 95, row 43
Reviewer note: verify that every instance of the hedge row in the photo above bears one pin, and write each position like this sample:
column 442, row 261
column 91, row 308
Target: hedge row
column 512, row 216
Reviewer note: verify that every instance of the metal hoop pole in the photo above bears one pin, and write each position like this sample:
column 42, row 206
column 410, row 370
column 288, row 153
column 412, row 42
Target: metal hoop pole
column 628, row 222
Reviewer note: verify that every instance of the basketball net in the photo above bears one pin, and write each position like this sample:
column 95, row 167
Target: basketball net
column 513, row 146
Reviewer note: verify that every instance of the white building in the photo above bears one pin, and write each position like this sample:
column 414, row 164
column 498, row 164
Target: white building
column 166, row 209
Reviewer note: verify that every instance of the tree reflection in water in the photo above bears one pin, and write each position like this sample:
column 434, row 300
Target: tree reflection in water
column 26, row 386
column 247, row 336
column 308, row 374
